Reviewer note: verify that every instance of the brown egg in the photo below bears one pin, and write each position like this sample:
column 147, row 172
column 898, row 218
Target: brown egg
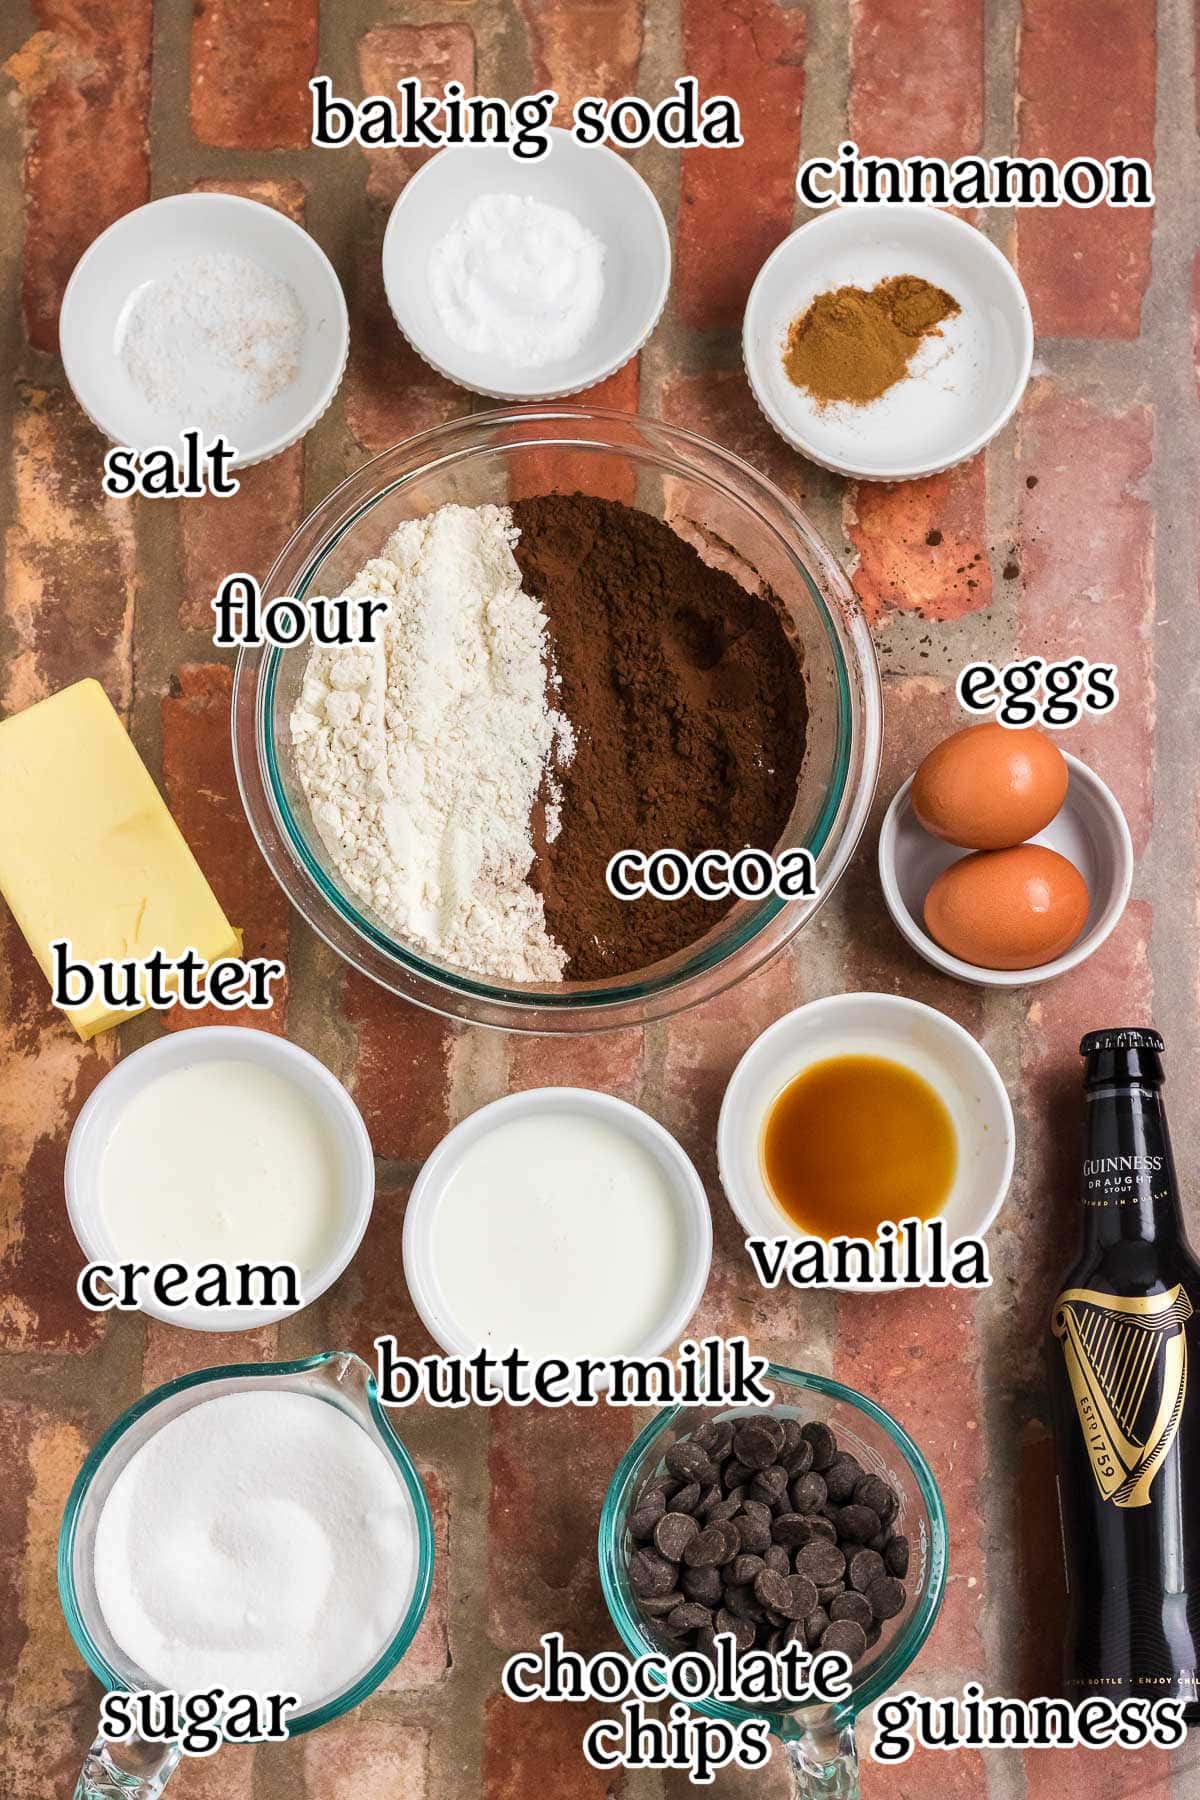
column 989, row 787
column 1008, row 909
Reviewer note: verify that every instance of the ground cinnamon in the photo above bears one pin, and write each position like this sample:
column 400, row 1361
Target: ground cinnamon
column 688, row 706
column 853, row 344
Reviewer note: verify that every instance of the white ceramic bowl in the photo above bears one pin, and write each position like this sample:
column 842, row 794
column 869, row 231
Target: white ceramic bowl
column 439, row 1170
column 145, row 245
column 1090, row 831
column 887, row 1025
column 603, row 192
column 963, row 385
column 178, row 1049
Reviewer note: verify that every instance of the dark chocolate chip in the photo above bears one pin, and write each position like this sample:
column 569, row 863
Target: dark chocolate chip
column 895, row 1556
column 808, row 1493
column 758, row 1443
column 802, row 1597
column 658, row 1606
column 771, row 1589
column 846, row 1636
column 864, row 1567
column 777, row 1557
column 842, row 1477
column 741, row 1600
column 754, row 1534
column 651, row 1575
column 688, row 1462
column 791, row 1529
column 799, row 1460
column 876, row 1494
column 735, row 1474
column 829, row 1592
column 689, row 1617
column 744, row 1568
column 674, row 1532
column 824, row 1444
column 820, row 1561
column 769, row 1484
column 724, row 1510
column 741, row 1629
column 822, row 1527
column 815, row 1626
column 853, row 1606
column 645, row 1517
column 880, row 1539
column 858, row 1523
column 702, row 1585
column 887, row 1597
column 714, row 1438
column 715, row 1546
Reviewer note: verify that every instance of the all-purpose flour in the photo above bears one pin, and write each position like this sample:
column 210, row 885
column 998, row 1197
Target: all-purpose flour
column 422, row 755
column 260, row 1541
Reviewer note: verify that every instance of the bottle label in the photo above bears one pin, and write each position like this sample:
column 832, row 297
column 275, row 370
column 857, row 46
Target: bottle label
column 1127, row 1364
column 1123, row 1178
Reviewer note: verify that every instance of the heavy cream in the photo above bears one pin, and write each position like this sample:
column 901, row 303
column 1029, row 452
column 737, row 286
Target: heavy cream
column 261, row 1541
column 222, row 1160
column 561, row 1234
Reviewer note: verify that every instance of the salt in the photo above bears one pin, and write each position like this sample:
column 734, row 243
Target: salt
column 260, row 1541
column 517, row 280
column 211, row 338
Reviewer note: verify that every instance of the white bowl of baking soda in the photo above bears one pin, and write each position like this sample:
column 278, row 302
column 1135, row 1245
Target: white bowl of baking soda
column 527, row 280
column 215, row 1151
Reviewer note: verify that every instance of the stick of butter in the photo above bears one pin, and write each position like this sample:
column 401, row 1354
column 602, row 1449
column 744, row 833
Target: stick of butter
column 88, row 850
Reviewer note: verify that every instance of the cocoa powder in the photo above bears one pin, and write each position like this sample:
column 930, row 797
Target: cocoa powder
column 688, row 707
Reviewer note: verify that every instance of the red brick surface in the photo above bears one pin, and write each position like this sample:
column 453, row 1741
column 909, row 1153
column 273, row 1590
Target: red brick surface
column 752, row 50
column 1086, row 88
column 922, row 545
column 896, row 109
column 1075, row 532
column 84, row 78
column 251, row 61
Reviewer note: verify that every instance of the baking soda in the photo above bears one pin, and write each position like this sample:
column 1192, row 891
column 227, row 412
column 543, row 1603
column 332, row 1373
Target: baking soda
column 517, row 280
column 261, row 1541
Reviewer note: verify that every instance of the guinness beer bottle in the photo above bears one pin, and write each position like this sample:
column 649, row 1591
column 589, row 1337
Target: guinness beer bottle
column 1125, row 1378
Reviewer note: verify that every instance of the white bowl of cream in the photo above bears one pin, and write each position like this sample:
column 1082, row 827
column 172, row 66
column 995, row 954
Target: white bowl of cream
column 221, row 1145
column 560, row 1222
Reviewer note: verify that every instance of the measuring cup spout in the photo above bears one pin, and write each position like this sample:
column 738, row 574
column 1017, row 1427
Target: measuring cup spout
column 822, row 1762
column 130, row 1770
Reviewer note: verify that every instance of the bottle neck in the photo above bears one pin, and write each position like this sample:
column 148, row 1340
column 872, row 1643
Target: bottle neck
column 1129, row 1192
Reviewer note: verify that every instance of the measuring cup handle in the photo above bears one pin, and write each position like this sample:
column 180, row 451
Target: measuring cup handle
column 126, row 1771
column 823, row 1764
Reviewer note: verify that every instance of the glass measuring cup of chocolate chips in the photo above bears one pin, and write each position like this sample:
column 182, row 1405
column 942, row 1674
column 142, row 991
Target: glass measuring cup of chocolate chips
column 816, row 1520
column 257, row 1527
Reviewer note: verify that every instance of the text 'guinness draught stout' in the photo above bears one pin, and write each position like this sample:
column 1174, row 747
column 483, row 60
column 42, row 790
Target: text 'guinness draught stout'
column 1125, row 1375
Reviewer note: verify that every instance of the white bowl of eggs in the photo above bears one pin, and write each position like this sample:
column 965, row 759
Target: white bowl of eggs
column 1003, row 861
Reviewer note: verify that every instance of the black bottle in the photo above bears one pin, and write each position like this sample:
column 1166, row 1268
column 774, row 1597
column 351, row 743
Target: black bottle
column 1125, row 1383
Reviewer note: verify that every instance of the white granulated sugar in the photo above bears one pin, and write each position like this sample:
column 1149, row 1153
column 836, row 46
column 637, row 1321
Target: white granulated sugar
column 259, row 1541
column 210, row 338
column 517, row 280
column 422, row 756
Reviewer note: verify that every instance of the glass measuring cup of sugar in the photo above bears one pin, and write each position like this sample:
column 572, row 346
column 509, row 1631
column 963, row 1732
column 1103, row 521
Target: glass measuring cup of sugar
column 138, row 1770
column 818, row 1742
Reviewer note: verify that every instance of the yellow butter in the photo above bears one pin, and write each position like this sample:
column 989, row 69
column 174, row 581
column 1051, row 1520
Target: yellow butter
column 88, row 850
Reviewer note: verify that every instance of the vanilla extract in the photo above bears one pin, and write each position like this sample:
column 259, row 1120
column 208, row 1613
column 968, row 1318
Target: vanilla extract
column 913, row 1253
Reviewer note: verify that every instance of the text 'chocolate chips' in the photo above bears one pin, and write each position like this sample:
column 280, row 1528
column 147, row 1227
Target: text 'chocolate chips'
column 761, row 1526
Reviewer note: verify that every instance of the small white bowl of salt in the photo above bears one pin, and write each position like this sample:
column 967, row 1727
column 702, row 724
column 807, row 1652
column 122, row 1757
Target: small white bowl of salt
column 205, row 312
column 527, row 280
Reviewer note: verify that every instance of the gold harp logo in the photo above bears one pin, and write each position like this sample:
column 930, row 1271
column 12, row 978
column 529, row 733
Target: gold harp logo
column 1127, row 1363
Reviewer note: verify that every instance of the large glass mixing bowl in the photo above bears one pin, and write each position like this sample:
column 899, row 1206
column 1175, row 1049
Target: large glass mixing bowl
column 734, row 516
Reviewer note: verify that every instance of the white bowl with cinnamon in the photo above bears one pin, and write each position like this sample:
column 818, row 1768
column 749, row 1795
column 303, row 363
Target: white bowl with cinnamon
column 887, row 342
